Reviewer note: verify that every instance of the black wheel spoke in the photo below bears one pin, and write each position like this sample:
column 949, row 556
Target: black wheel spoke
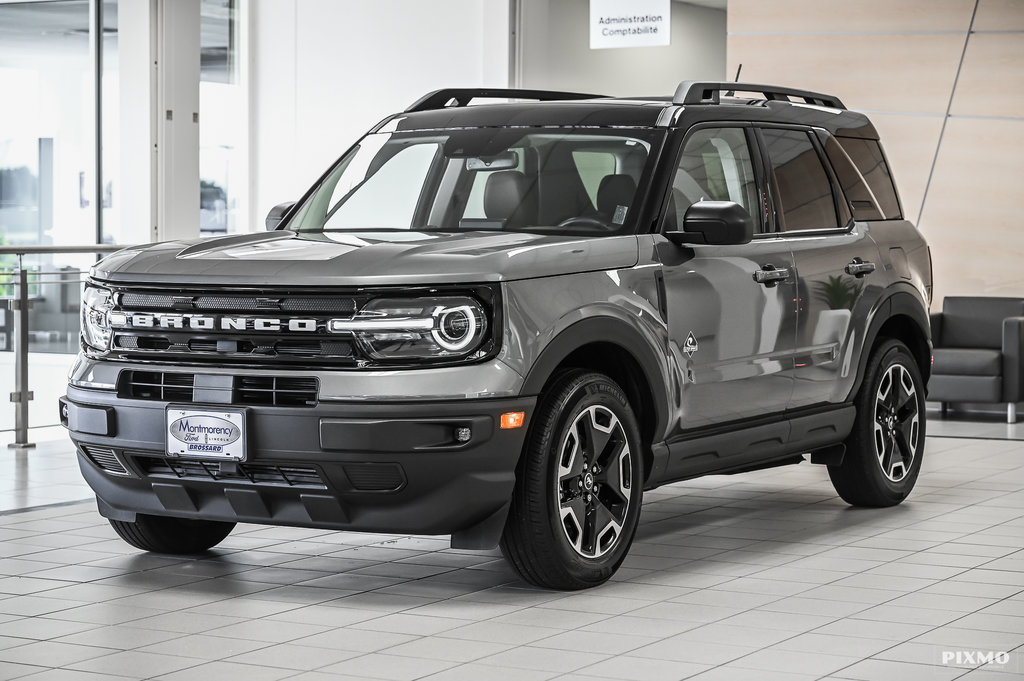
column 902, row 448
column 574, row 520
column 573, row 455
column 613, row 484
column 597, row 437
column 599, row 518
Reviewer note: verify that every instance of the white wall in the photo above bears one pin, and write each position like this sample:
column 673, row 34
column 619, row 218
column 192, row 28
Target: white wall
column 944, row 84
column 555, row 51
column 323, row 71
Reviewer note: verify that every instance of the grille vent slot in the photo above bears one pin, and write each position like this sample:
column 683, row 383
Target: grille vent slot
column 168, row 386
column 375, row 477
column 105, row 458
column 156, row 385
column 255, row 474
column 277, row 391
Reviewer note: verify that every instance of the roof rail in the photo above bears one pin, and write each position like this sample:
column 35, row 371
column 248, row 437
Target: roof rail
column 440, row 99
column 707, row 92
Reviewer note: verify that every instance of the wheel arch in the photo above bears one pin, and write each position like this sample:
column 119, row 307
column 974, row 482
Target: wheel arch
column 612, row 347
column 904, row 317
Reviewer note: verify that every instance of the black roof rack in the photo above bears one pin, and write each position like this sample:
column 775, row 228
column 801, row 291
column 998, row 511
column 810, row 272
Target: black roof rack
column 440, row 99
column 707, row 92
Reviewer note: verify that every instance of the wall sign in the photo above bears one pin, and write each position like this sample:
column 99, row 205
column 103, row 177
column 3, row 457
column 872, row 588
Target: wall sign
column 629, row 23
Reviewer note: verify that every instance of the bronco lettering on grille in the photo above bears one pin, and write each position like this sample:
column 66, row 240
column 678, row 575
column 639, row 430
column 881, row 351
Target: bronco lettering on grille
column 146, row 320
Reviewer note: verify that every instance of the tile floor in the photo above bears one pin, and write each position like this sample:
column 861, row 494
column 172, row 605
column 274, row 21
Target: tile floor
column 763, row 576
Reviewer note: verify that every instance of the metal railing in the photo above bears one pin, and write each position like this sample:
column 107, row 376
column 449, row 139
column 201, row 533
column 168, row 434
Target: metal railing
column 20, row 304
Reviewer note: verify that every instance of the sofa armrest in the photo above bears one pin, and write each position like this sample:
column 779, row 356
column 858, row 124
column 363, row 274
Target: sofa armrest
column 1013, row 358
column 935, row 318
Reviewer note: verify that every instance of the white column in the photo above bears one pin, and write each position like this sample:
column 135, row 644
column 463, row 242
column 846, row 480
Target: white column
column 177, row 119
column 137, row 73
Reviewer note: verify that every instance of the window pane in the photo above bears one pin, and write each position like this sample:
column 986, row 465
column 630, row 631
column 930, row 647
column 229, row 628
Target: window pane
column 486, row 178
column 855, row 188
column 593, row 166
column 46, row 138
column 222, row 106
column 867, row 155
column 715, row 166
column 799, row 182
column 378, row 204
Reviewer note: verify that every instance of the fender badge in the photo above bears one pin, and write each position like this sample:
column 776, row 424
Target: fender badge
column 690, row 346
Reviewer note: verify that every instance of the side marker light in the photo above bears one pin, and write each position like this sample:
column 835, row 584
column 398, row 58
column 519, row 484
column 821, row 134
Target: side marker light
column 513, row 419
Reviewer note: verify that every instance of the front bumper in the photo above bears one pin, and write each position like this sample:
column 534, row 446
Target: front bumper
column 377, row 467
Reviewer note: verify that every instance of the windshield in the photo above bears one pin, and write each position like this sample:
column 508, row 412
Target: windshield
column 552, row 180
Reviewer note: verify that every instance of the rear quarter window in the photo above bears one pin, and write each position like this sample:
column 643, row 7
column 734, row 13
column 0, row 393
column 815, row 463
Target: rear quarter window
column 870, row 161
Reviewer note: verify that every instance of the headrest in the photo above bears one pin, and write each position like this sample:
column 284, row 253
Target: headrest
column 504, row 194
column 615, row 191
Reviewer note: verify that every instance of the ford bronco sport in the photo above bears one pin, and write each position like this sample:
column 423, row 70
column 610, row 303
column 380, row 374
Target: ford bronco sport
column 505, row 321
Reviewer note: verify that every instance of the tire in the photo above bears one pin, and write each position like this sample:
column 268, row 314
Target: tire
column 886, row 446
column 180, row 536
column 570, row 527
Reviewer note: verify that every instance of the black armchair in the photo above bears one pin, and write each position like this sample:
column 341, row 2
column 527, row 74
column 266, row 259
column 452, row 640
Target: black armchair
column 978, row 350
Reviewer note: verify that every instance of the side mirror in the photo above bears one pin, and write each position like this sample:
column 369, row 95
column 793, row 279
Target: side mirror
column 277, row 214
column 717, row 223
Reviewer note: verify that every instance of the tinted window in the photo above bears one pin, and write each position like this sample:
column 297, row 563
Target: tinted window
column 867, row 156
column 855, row 188
column 714, row 166
column 799, row 182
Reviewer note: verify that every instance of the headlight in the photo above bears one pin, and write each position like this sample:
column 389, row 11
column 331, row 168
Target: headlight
column 417, row 328
column 96, row 303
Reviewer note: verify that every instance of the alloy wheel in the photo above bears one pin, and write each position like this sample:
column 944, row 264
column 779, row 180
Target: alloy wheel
column 896, row 423
column 594, row 481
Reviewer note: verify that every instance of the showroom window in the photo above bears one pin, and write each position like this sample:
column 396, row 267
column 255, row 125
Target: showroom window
column 222, row 105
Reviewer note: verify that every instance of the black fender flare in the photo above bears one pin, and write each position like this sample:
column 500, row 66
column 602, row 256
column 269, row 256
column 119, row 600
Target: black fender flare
column 606, row 329
column 902, row 302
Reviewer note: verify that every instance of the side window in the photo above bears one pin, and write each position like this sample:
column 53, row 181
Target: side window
column 799, row 181
column 867, row 156
column 859, row 195
column 714, row 166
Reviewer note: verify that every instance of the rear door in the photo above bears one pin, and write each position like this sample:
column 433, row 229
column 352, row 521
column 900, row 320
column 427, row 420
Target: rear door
column 837, row 285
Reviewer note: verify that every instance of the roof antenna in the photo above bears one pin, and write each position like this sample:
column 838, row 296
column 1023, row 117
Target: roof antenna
column 732, row 93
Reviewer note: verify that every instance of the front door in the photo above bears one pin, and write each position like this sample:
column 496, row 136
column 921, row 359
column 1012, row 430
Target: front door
column 731, row 315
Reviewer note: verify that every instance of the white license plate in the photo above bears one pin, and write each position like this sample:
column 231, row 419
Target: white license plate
column 206, row 433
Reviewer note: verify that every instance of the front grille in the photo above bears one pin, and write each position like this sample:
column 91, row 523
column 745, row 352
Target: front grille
column 105, row 458
column 255, row 474
column 340, row 305
column 169, row 386
column 208, row 326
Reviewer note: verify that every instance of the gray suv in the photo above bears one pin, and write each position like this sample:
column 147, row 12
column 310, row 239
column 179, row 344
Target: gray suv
column 505, row 321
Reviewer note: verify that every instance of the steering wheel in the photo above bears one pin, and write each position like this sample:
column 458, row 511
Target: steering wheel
column 585, row 221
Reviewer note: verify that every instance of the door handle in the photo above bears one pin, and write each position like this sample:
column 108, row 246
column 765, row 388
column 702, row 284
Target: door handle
column 859, row 268
column 770, row 275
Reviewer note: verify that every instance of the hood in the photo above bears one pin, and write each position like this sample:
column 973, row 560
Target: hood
column 284, row 258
